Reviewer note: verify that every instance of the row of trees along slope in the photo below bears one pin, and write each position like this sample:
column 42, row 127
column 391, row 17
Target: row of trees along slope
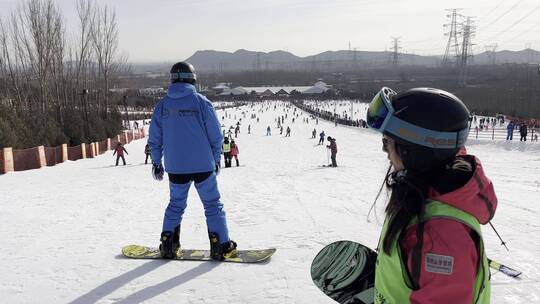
column 54, row 83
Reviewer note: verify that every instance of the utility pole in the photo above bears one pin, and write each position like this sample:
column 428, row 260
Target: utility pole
column 469, row 31
column 452, row 46
column 395, row 51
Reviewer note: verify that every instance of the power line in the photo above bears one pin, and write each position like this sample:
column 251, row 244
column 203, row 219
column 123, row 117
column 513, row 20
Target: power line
column 515, row 23
column 523, row 32
column 504, row 14
column 492, row 10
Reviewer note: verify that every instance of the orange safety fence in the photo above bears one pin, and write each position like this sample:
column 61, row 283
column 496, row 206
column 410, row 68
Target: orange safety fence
column 26, row 159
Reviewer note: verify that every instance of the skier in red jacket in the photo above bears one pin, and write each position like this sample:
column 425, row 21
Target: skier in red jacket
column 235, row 152
column 119, row 151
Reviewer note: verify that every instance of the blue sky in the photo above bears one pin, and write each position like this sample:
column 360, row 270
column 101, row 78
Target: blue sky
column 169, row 30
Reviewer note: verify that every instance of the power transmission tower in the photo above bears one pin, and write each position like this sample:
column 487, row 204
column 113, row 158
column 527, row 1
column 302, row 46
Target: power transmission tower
column 395, row 51
column 355, row 59
column 452, row 47
column 469, row 31
column 258, row 69
column 258, row 63
column 490, row 52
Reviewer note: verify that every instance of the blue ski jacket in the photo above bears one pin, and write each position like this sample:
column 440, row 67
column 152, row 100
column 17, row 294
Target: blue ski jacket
column 185, row 131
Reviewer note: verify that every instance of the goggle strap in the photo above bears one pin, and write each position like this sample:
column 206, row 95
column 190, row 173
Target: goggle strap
column 425, row 137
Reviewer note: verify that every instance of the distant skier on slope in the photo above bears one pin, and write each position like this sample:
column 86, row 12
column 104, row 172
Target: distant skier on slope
column 288, row 133
column 226, row 149
column 439, row 198
column 321, row 138
column 268, row 131
column 185, row 116
column 234, row 153
column 333, row 150
column 119, row 151
column 147, row 152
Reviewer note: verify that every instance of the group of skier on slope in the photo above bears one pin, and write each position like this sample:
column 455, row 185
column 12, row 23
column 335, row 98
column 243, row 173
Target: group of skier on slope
column 431, row 248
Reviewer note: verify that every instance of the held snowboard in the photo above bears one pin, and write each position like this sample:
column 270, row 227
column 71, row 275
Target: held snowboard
column 345, row 271
column 242, row 256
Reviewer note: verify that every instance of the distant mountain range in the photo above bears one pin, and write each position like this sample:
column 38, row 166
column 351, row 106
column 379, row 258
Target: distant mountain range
column 244, row 60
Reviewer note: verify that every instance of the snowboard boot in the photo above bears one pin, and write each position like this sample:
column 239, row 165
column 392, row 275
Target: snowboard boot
column 220, row 251
column 170, row 243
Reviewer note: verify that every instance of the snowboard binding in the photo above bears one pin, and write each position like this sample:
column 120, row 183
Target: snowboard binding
column 170, row 243
column 220, row 251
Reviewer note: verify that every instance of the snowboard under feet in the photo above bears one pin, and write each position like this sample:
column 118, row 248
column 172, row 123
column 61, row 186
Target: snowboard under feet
column 242, row 256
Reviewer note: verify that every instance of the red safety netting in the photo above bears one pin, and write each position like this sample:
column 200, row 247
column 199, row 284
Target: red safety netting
column 1, row 161
column 114, row 142
column 29, row 158
column 102, row 147
column 53, row 155
column 74, row 153
column 88, row 150
column 26, row 159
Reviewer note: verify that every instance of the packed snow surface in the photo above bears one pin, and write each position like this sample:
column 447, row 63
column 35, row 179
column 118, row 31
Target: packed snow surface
column 63, row 226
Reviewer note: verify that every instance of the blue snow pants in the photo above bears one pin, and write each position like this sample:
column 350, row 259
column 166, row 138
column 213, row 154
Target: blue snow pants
column 179, row 185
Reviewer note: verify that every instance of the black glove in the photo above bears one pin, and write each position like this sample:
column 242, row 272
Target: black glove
column 157, row 171
column 218, row 166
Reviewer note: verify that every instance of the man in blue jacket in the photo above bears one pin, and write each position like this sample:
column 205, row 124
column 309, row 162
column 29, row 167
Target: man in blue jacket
column 185, row 131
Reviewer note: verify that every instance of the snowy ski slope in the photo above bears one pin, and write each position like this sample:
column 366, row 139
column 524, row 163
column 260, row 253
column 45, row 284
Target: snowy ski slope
column 63, row 227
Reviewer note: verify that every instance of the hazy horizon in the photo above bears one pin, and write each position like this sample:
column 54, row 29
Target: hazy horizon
column 171, row 30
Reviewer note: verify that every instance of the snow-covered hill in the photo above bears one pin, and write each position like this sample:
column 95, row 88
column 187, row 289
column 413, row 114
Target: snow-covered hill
column 63, row 227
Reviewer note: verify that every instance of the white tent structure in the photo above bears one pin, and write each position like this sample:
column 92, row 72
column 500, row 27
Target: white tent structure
column 318, row 88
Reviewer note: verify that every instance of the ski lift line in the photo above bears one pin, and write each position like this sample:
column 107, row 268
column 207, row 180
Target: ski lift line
column 504, row 14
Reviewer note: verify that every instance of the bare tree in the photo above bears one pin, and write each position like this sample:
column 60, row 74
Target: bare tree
column 105, row 39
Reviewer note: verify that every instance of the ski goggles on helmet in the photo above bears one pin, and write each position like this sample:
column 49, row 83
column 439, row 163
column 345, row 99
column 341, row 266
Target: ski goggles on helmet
column 380, row 116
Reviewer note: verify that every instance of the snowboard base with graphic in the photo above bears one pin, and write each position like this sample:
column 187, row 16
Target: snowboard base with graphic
column 242, row 256
column 345, row 272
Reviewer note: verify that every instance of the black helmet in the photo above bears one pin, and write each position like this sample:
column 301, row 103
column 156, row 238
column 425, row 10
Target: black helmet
column 183, row 72
column 431, row 109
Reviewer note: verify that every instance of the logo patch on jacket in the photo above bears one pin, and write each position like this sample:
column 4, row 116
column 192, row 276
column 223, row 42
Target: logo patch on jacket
column 442, row 264
column 187, row 113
